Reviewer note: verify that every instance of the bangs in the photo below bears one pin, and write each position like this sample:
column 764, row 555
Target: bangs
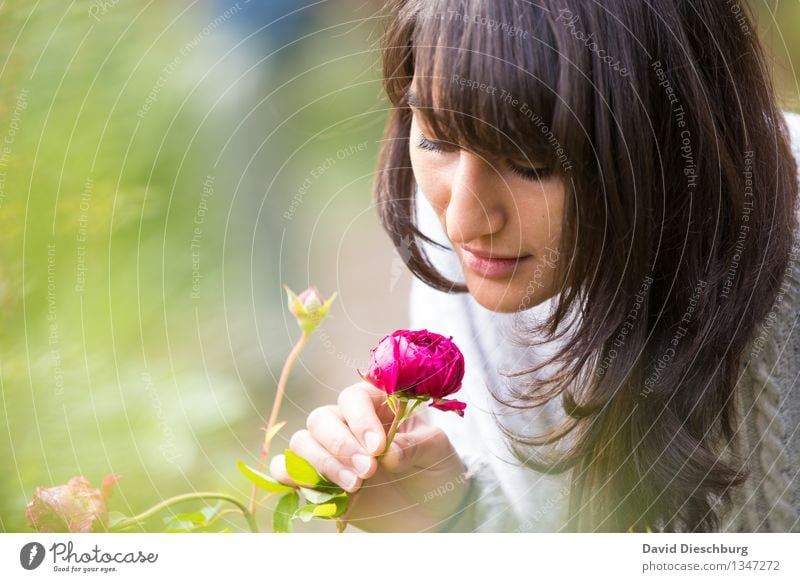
column 478, row 84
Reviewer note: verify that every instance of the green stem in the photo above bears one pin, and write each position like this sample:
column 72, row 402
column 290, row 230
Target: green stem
column 145, row 515
column 276, row 406
column 398, row 418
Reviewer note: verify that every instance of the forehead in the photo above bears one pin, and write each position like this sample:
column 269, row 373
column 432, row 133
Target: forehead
column 488, row 88
column 490, row 125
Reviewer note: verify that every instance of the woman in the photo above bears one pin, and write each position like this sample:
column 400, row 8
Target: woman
column 616, row 186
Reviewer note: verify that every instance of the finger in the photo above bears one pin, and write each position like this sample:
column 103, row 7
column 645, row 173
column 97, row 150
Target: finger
column 303, row 444
column 425, row 447
column 277, row 468
column 365, row 410
column 327, row 427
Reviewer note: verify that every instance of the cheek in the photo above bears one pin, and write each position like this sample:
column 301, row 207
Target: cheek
column 431, row 178
column 543, row 212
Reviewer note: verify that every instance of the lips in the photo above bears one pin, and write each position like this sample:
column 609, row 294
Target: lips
column 494, row 267
column 493, row 256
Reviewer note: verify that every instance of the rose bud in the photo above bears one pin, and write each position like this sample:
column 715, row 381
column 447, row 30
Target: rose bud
column 75, row 507
column 418, row 364
column 309, row 308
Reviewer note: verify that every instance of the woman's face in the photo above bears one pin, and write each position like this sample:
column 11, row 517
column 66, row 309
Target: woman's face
column 495, row 208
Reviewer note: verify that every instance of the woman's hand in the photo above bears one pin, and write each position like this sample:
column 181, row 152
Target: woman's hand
column 416, row 485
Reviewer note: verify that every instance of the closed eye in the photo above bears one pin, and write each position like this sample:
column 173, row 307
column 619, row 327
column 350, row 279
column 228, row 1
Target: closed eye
column 524, row 172
column 528, row 173
column 426, row 144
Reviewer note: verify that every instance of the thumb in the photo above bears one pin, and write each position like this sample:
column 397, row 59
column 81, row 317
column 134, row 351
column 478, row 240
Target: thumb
column 421, row 448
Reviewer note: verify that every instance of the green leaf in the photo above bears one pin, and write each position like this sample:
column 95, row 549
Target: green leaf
column 262, row 481
column 312, row 509
column 284, row 510
column 391, row 400
column 301, row 471
column 333, row 508
column 191, row 521
column 326, row 486
column 341, row 502
column 316, row 496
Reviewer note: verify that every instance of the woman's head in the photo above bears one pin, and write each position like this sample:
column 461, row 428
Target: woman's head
column 492, row 204
column 635, row 157
column 476, row 133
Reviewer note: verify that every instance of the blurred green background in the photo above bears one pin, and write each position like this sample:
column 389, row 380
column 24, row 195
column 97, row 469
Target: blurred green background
column 164, row 169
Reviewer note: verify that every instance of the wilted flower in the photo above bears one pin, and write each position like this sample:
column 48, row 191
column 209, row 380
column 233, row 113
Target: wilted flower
column 309, row 308
column 74, row 507
column 418, row 364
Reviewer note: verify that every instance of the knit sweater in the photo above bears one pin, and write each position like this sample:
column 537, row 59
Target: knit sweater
column 509, row 497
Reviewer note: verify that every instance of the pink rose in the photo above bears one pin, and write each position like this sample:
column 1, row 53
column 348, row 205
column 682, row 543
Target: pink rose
column 418, row 364
column 74, row 507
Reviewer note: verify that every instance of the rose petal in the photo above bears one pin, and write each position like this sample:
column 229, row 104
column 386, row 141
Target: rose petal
column 447, row 405
column 107, row 485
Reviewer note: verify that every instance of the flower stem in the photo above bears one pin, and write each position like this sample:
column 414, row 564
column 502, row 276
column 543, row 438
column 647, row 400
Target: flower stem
column 398, row 418
column 137, row 519
column 276, row 405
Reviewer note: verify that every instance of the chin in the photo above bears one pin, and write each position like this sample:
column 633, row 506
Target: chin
column 509, row 302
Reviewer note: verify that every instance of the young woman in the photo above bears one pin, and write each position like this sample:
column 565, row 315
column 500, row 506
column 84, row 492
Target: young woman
column 598, row 201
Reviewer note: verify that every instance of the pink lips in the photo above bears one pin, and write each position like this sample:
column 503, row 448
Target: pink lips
column 488, row 267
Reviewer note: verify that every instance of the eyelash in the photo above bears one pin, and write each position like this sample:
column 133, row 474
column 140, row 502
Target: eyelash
column 531, row 174
column 425, row 144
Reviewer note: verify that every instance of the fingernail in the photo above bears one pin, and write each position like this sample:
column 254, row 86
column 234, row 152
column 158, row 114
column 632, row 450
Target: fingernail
column 362, row 463
column 347, row 478
column 373, row 441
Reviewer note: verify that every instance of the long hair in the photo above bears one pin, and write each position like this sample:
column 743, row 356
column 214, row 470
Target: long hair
column 677, row 228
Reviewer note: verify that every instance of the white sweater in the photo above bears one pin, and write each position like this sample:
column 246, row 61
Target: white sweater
column 513, row 498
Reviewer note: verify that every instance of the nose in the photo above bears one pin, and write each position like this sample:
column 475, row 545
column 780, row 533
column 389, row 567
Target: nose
column 475, row 206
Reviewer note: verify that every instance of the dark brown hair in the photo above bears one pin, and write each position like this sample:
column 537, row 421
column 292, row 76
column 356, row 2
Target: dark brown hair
column 677, row 228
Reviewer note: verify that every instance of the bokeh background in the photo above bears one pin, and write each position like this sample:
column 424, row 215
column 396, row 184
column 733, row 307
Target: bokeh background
column 164, row 168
